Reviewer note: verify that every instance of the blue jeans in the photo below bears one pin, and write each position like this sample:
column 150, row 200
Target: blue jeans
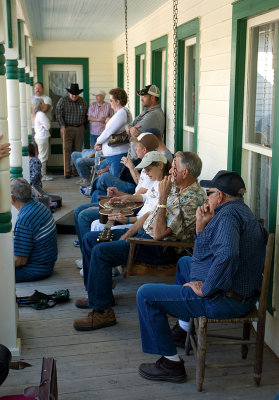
column 25, row 274
column 84, row 216
column 93, row 140
column 99, row 259
column 155, row 301
column 82, row 163
column 107, row 180
column 115, row 167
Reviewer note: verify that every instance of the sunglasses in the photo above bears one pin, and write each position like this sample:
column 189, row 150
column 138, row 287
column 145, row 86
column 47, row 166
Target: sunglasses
column 209, row 192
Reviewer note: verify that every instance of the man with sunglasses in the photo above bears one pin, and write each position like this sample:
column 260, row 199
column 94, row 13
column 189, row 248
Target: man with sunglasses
column 222, row 279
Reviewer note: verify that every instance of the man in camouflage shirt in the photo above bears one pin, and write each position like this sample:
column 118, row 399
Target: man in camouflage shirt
column 173, row 218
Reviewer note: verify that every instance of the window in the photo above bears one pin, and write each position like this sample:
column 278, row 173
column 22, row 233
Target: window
column 139, row 75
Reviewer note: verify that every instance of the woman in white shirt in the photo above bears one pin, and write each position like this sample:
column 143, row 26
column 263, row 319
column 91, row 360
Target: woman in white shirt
column 41, row 126
column 117, row 124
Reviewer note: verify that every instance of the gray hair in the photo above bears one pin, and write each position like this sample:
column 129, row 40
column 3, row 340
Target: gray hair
column 190, row 161
column 21, row 190
column 36, row 104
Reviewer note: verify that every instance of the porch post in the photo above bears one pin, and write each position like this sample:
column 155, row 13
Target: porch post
column 8, row 307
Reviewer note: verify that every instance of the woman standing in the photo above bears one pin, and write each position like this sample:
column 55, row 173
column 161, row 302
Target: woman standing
column 42, row 135
column 117, row 124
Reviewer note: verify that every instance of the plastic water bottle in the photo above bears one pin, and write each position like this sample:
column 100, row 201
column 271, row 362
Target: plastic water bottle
column 97, row 158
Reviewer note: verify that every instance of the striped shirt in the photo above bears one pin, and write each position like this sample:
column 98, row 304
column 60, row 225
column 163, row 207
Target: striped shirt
column 71, row 113
column 35, row 238
column 98, row 111
column 229, row 254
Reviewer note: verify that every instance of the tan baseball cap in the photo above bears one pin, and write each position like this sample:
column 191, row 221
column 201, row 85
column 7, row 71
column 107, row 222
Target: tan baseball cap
column 150, row 157
column 99, row 92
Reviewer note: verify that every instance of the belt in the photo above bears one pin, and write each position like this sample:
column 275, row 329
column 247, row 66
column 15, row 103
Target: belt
column 75, row 126
column 239, row 297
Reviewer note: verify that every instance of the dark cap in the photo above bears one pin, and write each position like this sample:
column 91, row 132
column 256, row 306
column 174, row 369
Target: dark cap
column 154, row 131
column 227, row 182
column 153, row 90
column 148, row 140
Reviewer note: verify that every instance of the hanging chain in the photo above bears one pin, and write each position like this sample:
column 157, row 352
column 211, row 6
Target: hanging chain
column 127, row 58
column 175, row 23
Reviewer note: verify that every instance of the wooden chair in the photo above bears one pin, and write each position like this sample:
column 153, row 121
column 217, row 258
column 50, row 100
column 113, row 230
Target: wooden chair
column 144, row 269
column 255, row 315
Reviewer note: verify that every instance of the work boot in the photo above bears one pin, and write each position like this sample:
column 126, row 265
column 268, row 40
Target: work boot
column 95, row 320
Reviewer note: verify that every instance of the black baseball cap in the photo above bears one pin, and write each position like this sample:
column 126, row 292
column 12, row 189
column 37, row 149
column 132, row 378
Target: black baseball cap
column 227, row 182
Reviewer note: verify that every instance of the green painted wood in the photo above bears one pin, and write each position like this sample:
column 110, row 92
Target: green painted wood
column 31, row 81
column 24, row 151
column 9, row 23
column 2, row 60
column 120, row 71
column 139, row 51
column 56, row 149
column 21, row 75
column 185, row 31
column 248, row 8
column 19, row 39
column 16, row 172
column 55, row 133
column 29, row 138
column 157, row 46
column 27, row 78
column 5, row 222
column 41, row 61
column 12, row 70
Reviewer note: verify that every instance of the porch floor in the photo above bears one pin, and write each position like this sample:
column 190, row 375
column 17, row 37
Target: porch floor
column 103, row 364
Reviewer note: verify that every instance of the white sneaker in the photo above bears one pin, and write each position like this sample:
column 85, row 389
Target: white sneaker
column 47, row 178
column 79, row 263
column 81, row 272
column 80, row 181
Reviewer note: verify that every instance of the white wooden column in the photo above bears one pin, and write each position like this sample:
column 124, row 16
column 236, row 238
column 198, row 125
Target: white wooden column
column 8, row 307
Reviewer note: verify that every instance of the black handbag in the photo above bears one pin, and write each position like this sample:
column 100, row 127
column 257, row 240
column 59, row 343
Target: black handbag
column 116, row 139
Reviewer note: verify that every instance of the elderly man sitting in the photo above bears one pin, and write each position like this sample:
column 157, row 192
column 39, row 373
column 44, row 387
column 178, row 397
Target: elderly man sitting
column 35, row 244
column 172, row 218
column 221, row 280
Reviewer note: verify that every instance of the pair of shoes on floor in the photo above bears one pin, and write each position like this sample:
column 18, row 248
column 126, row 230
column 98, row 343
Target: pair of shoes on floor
column 164, row 370
column 95, row 320
column 82, row 302
column 85, row 190
column 76, row 243
column 81, row 272
column 47, row 178
column 79, row 263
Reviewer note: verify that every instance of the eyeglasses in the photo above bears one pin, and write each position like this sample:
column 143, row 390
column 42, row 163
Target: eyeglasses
column 209, row 192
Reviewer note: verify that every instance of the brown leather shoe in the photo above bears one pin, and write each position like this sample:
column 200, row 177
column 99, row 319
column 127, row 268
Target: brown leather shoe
column 164, row 370
column 95, row 320
column 82, row 302
column 178, row 335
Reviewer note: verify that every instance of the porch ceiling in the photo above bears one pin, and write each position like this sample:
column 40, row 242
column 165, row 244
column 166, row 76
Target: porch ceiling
column 84, row 20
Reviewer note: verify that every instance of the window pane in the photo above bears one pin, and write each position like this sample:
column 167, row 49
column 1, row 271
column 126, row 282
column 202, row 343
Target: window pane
column 189, row 110
column 262, row 71
column 262, row 167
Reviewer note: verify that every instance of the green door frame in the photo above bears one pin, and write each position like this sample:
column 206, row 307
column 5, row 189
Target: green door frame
column 157, row 46
column 120, row 71
column 41, row 61
column 242, row 10
column 139, row 51
column 184, row 32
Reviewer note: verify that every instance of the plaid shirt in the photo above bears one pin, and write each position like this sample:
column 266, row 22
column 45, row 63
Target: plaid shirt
column 71, row 113
column 180, row 213
column 98, row 111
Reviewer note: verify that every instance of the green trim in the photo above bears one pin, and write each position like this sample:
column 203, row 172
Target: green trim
column 24, row 151
column 157, row 46
column 55, row 168
column 9, row 23
column 120, row 71
column 25, row 49
column 19, row 39
column 31, row 81
column 5, row 222
column 12, row 70
column 56, row 149
column 16, row 172
column 242, row 10
column 27, row 78
column 41, row 61
column 29, row 138
column 55, row 133
column 185, row 31
column 2, row 60
column 21, row 75
column 139, row 51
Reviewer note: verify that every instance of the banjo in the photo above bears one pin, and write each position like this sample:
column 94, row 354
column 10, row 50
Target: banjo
column 106, row 209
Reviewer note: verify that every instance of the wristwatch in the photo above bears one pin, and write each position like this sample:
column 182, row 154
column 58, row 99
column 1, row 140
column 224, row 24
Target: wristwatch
column 162, row 206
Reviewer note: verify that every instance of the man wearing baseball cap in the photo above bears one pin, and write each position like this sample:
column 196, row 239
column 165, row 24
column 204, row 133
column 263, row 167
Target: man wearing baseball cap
column 152, row 115
column 222, row 279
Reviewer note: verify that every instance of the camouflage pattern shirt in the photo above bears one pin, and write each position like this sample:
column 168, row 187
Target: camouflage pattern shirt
column 180, row 213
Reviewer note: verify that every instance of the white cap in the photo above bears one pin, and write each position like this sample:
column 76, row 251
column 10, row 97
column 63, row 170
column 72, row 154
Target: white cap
column 99, row 92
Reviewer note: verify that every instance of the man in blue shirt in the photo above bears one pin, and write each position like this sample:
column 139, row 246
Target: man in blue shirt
column 222, row 279
column 35, row 242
